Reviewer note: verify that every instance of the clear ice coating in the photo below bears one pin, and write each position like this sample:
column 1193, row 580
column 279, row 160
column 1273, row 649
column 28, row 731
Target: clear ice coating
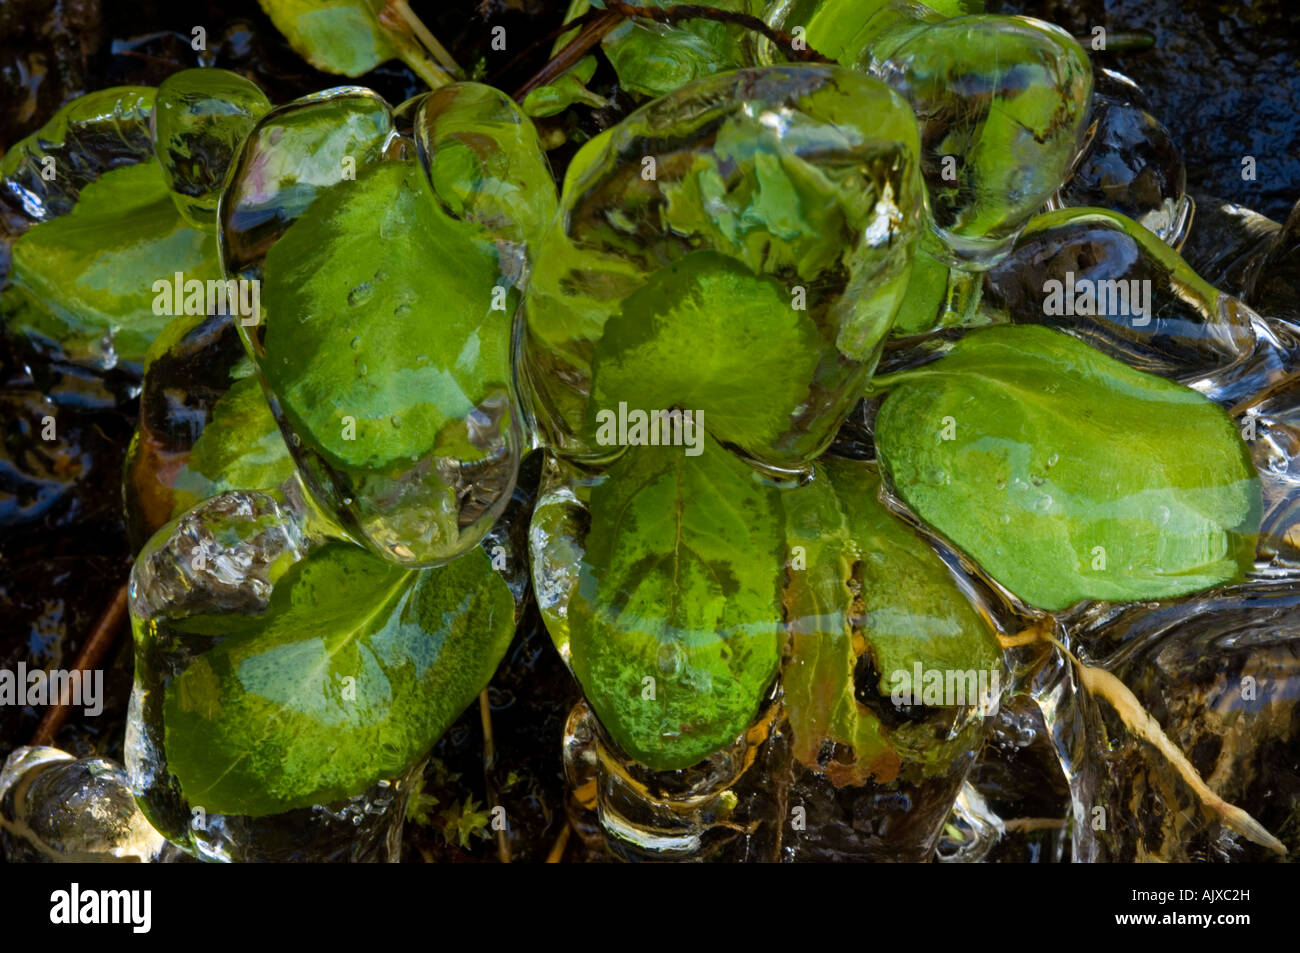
column 834, row 764
column 200, row 117
column 55, row 808
column 223, row 556
column 390, row 268
column 1130, row 164
column 222, row 560
column 1015, row 804
column 723, row 809
column 1275, row 281
column 1219, row 671
column 792, row 194
column 92, row 134
column 1228, row 244
column 1113, row 284
column 486, row 164
column 1270, row 425
column 1001, row 101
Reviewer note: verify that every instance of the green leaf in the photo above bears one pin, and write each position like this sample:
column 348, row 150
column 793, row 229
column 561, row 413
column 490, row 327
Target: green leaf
column 241, row 448
column 337, row 36
column 678, row 584
column 789, row 213
column 570, row 88
column 655, row 58
column 462, row 822
column 674, row 346
column 84, row 281
column 1067, row 475
column 862, row 582
column 379, row 308
column 351, row 674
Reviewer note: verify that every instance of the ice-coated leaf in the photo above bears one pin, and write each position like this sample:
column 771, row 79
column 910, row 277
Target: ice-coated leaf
column 1002, row 103
column 570, row 88
column 241, row 448
column 380, row 309
column 689, row 336
column 200, row 119
column 1067, row 475
column 337, row 36
column 102, row 130
column 485, row 162
column 386, row 303
column 804, row 176
column 862, row 583
column 350, row 675
column 675, row 625
column 656, row 58
column 84, row 282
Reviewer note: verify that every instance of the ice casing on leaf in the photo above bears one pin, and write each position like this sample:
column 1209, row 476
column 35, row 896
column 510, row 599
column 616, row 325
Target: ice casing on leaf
column 389, row 290
column 804, row 177
column 654, row 59
column 1067, row 475
column 200, row 118
column 352, row 672
column 1002, row 102
column 674, row 623
column 42, row 174
column 1112, row 283
column 867, row 589
column 83, row 284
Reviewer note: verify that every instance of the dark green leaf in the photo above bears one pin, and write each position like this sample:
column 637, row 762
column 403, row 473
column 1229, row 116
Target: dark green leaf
column 692, row 333
column 675, row 625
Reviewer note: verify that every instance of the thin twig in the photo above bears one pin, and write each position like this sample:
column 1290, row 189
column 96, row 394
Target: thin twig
column 522, row 56
column 557, row 849
column 101, row 639
column 489, row 758
column 591, row 34
column 1137, row 719
column 430, row 41
column 1031, row 824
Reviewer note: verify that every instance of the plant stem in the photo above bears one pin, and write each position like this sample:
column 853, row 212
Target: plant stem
column 101, row 639
column 489, row 756
column 427, row 38
column 557, row 849
column 1101, row 683
column 414, row 44
column 591, row 34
